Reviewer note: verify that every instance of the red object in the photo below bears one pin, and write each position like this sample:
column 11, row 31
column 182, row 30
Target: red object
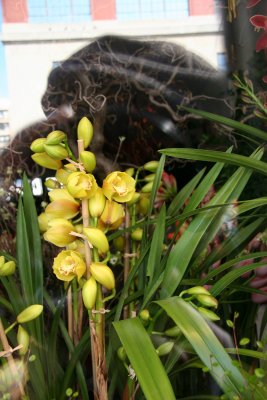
column 252, row 3
column 197, row 7
column 103, row 9
column 15, row 11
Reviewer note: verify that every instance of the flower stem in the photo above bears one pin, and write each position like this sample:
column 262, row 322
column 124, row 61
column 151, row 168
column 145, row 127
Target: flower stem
column 17, row 390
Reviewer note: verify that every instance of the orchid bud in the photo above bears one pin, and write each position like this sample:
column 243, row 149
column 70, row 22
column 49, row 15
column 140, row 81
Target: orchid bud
column 112, row 215
column 85, row 131
column 151, row 166
column 62, row 174
column 29, row 313
column 89, row 292
column 137, row 234
column 2, row 261
column 143, row 205
column 173, row 332
column 135, row 199
column 121, row 353
column 103, row 274
column 97, row 203
column 44, row 160
column 197, row 290
column 165, row 348
column 56, row 151
column 119, row 243
column 88, row 159
column 144, row 315
column 43, row 222
column 55, row 137
column 130, row 171
column 81, row 185
column 147, row 188
column 97, row 238
column 207, row 300
column 8, row 268
column 51, row 184
column 208, row 314
column 150, row 177
column 23, row 339
column 37, row 145
column 58, row 232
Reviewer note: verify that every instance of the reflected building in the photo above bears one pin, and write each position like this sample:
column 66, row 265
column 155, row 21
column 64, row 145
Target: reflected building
column 4, row 123
column 39, row 34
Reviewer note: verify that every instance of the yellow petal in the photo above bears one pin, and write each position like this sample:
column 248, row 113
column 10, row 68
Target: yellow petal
column 85, row 131
column 89, row 292
column 97, row 238
column 103, row 274
column 46, row 161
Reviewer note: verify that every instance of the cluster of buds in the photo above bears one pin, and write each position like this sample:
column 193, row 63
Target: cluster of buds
column 27, row 315
column 75, row 195
column 204, row 299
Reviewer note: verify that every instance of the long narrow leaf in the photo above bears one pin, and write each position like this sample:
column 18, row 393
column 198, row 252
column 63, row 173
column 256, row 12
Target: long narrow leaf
column 184, row 194
column 207, row 346
column 23, row 257
column 217, row 156
column 156, row 244
column 200, row 231
column 231, row 276
column 229, row 122
column 143, row 358
column 34, row 239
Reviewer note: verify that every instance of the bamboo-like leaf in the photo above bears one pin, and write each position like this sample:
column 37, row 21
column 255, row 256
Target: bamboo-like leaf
column 148, row 368
column 156, row 183
column 248, row 353
column 124, row 292
column 251, row 204
column 218, row 271
column 34, row 240
column 201, row 230
column 233, row 243
column 184, row 194
column 250, row 130
column 156, row 244
column 206, row 346
column 217, row 156
column 23, row 257
column 231, row 276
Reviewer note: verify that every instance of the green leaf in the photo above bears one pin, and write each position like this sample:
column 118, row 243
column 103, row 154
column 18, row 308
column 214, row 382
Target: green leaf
column 231, row 245
column 206, row 346
column 231, row 276
column 201, row 231
column 184, row 194
column 23, row 257
column 148, row 368
column 156, row 245
column 229, row 122
column 217, row 156
column 33, row 234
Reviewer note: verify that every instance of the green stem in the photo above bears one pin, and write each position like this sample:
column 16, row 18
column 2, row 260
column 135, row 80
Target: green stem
column 75, row 311
column 11, row 327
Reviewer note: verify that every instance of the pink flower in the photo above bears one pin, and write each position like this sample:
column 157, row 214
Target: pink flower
column 167, row 190
column 260, row 22
column 252, row 3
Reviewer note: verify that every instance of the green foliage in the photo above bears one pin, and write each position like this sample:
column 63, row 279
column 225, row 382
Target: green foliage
column 197, row 239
